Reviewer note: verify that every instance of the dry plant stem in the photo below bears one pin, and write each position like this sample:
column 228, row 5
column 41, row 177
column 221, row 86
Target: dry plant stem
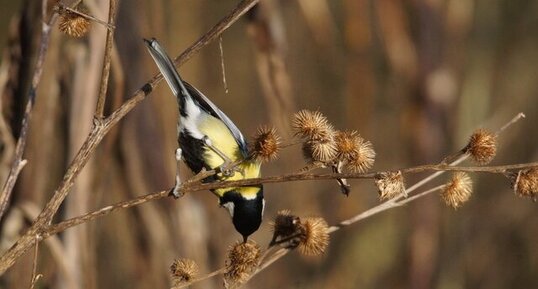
column 62, row 226
column 196, row 186
column 426, row 180
column 100, row 129
column 205, row 277
column 458, row 158
column 16, row 166
column 224, row 82
column 511, row 122
column 35, row 277
column 100, row 107
column 419, row 195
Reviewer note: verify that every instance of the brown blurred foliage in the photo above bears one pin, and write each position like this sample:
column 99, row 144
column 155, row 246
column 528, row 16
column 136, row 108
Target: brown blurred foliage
column 413, row 77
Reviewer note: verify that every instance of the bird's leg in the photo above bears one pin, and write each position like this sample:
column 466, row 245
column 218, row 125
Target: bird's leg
column 176, row 192
column 227, row 167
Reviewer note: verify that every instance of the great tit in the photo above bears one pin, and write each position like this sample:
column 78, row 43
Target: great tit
column 209, row 140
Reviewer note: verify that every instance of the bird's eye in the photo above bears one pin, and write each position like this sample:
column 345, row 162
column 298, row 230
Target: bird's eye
column 230, row 206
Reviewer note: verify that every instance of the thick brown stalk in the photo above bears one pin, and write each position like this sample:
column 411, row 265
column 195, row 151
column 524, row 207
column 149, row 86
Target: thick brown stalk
column 18, row 163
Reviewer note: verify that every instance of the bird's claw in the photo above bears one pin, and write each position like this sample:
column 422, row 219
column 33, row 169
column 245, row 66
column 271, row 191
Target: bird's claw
column 228, row 169
column 176, row 192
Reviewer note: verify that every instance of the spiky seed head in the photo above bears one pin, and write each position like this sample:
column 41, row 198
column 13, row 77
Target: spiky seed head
column 266, row 144
column 285, row 223
column 347, row 144
column 482, row 146
column 458, row 190
column 183, row 270
column 287, row 229
column 315, row 236
column 322, row 151
column 243, row 259
column 525, row 183
column 73, row 24
column 390, row 185
column 312, row 125
column 363, row 159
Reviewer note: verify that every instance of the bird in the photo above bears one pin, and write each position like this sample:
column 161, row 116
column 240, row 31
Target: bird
column 208, row 139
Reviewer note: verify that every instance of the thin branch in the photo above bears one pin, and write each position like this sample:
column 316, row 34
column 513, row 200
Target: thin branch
column 195, row 280
column 64, row 225
column 16, row 166
column 412, row 198
column 222, row 66
column 35, row 276
column 393, row 203
column 511, row 122
column 100, row 107
column 197, row 186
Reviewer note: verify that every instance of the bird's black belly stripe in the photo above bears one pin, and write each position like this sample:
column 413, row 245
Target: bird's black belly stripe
column 193, row 150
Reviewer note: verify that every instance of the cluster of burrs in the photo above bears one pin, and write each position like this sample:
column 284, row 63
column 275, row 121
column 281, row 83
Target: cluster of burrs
column 324, row 146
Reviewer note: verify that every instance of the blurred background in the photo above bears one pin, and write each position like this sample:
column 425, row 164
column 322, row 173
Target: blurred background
column 413, row 77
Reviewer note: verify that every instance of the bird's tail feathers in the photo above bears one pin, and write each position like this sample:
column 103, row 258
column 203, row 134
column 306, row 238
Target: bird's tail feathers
column 167, row 68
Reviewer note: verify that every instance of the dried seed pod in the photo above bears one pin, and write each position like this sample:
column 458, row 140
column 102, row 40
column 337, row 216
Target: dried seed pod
column 183, row 271
column 286, row 229
column 73, row 24
column 458, row 190
column 266, row 144
column 321, row 151
column 347, row 144
column 482, row 146
column 243, row 259
column 390, row 185
column 363, row 159
column 312, row 125
column 315, row 238
column 525, row 183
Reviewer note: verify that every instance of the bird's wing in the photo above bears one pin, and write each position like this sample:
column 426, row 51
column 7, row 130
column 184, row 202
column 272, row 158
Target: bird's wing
column 177, row 85
column 212, row 109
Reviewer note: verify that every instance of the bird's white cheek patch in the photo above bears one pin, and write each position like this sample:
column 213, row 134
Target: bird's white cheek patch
column 230, row 206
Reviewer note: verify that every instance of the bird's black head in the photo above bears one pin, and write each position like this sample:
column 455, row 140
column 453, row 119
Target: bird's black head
column 246, row 212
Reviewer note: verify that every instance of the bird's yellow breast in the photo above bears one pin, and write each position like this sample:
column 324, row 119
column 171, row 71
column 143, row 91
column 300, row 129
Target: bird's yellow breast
column 222, row 139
